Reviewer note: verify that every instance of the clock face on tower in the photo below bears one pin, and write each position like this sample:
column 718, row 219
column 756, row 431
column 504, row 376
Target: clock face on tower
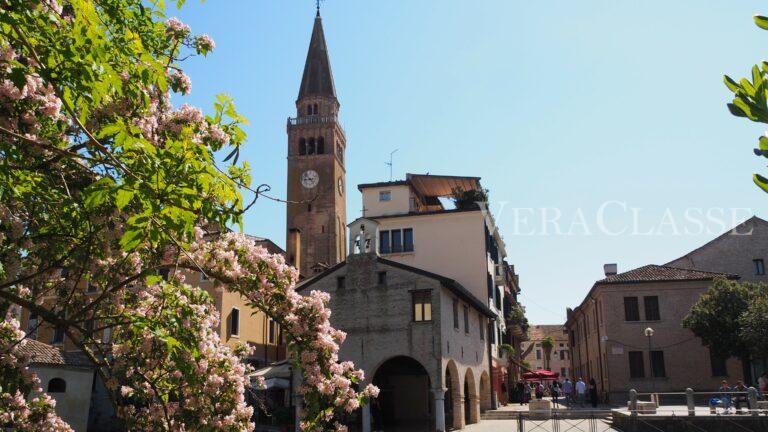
column 340, row 186
column 309, row 179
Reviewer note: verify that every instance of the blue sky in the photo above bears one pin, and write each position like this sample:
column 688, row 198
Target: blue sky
column 574, row 106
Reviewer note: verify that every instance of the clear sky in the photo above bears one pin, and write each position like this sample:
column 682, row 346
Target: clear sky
column 572, row 107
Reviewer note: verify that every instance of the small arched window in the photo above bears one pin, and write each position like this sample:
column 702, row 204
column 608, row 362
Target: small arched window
column 315, row 111
column 320, row 145
column 302, row 146
column 309, row 110
column 57, row 385
column 311, row 146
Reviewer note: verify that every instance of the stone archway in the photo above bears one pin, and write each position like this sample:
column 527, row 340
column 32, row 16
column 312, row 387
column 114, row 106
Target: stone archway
column 485, row 392
column 471, row 405
column 454, row 417
column 405, row 399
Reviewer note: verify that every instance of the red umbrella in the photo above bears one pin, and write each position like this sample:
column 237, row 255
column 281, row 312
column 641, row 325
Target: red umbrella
column 541, row 375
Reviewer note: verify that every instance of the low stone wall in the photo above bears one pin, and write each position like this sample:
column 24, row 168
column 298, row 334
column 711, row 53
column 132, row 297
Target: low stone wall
column 728, row 423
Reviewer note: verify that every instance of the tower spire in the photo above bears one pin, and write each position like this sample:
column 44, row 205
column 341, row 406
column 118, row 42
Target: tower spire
column 318, row 78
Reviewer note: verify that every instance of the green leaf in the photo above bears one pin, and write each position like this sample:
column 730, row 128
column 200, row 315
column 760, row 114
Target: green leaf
column 123, row 197
column 761, row 21
column 736, row 110
column 763, row 143
column 731, row 84
column 131, row 240
column 98, row 193
column 761, row 182
column 18, row 77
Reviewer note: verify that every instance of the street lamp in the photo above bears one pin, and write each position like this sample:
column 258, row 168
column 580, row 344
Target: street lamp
column 649, row 333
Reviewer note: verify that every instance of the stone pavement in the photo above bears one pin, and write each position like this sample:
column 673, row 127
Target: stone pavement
column 572, row 425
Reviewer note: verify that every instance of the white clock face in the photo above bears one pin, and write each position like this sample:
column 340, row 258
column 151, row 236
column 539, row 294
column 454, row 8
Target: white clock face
column 309, row 179
column 340, row 186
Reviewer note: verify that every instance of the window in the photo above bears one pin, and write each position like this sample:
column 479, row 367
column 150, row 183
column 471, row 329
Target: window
column 408, row 239
column 302, row 147
column 382, row 277
column 562, row 372
column 89, row 326
column 163, row 273
column 652, row 308
column 385, row 195
column 538, row 354
column 466, row 319
column 273, row 333
column 657, row 364
column 340, row 153
column 422, row 306
column 32, row 325
column 717, row 363
column 636, row 367
column 384, row 242
column 481, row 326
column 397, row 241
column 234, row 322
column 320, row 145
column 341, row 282
column 57, row 385
column 562, row 354
column 631, row 309
column 311, row 146
column 455, row 314
column 58, row 335
column 759, row 267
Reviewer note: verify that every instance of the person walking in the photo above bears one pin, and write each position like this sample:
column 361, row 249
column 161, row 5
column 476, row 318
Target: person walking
column 593, row 392
column 581, row 391
column 526, row 392
column 568, row 392
column 520, row 391
column 762, row 383
column 555, row 393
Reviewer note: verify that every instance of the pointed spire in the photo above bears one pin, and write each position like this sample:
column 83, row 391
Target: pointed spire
column 317, row 79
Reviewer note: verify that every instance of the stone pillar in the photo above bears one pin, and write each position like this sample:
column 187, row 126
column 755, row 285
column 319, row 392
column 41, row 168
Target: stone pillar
column 439, row 395
column 367, row 418
column 690, row 402
column 298, row 403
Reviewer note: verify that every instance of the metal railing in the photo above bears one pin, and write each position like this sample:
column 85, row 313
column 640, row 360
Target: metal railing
column 312, row 119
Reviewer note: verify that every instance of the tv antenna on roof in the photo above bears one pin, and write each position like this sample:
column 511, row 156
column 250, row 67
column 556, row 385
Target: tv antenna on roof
column 389, row 164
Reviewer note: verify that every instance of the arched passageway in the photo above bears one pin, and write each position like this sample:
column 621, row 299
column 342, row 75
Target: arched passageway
column 471, row 408
column 405, row 401
column 485, row 392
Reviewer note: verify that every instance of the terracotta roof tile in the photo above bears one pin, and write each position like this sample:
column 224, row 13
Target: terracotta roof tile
column 659, row 273
column 42, row 353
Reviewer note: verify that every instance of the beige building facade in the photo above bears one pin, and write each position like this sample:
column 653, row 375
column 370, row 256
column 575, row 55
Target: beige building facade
column 607, row 334
column 419, row 336
column 536, row 355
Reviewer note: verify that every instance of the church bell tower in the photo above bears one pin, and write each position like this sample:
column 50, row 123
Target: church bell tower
column 316, row 216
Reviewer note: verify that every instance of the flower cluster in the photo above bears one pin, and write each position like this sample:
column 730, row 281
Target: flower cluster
column 269, row 284
column 16, row 412
column 171, row 352
column 180, row 82
column 203, row 44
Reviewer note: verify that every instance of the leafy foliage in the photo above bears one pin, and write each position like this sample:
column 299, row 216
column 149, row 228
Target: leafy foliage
column 468, row 199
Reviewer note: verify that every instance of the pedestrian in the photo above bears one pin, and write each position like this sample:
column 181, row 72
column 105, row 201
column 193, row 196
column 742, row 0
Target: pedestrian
column 762, row 382
column 526, row 392
column 555, row 393
column 725, row 395
column 520, row 391
column 593, row 392
column 539, row 391
column 568, row 392
column 581, row 390
column 740, row 395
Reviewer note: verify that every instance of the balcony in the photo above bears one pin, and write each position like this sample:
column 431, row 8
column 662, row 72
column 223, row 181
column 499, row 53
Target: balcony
column 316, row 120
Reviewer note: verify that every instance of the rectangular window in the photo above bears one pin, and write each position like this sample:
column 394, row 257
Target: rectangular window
column 397, row 241
column 89, row 326
column 759, row 267
column 234, row 322
column 717, row 364
column 562, row 372
column 562, row 354
column 631, row 309
column 341, row 282
column 32, row 326
column 455, row 314
column 466, row 319
column 382, row 277
column 58, row 335
column 652, row 308
column 422, row 306
column 657, row 364
column 538, row 354
column 272, row 332
column 408, row 239
column 385, row 195
column 384, row 246
column 481, row 326
column 636, row 366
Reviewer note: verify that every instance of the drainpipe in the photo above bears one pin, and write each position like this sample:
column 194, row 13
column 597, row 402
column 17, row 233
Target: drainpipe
column 599, row 346
column 490, row 359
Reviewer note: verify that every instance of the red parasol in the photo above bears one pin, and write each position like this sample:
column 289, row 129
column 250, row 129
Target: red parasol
column 541, row 375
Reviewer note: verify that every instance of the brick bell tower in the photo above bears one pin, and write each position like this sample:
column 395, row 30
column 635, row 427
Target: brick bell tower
column 317, row 215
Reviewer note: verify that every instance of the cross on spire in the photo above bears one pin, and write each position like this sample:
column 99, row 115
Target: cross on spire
column 317, row 3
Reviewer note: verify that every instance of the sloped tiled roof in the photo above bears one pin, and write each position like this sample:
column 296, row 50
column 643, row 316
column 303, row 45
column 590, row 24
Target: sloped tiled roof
column 42, row 353
column 659, row 273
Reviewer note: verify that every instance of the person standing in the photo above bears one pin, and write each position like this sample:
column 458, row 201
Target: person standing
column 520, row 391
column 568, row 392
column 762, row 383
column 581, row 391
column 593, row 392
column 555, row 393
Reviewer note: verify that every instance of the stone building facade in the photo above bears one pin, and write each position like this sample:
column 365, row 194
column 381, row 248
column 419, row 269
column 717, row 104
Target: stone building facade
column 608, row 342
column 559, row 358
column 421, row 337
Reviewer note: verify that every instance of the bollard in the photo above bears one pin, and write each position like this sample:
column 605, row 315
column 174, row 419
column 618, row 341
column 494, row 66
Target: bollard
column 752, row 400
column 689, row 401
column 633, row 402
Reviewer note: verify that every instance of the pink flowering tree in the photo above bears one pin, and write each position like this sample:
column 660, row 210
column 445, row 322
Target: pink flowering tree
column 104, row 184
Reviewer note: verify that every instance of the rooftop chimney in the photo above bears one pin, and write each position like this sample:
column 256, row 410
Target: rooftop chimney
column 610, row 269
